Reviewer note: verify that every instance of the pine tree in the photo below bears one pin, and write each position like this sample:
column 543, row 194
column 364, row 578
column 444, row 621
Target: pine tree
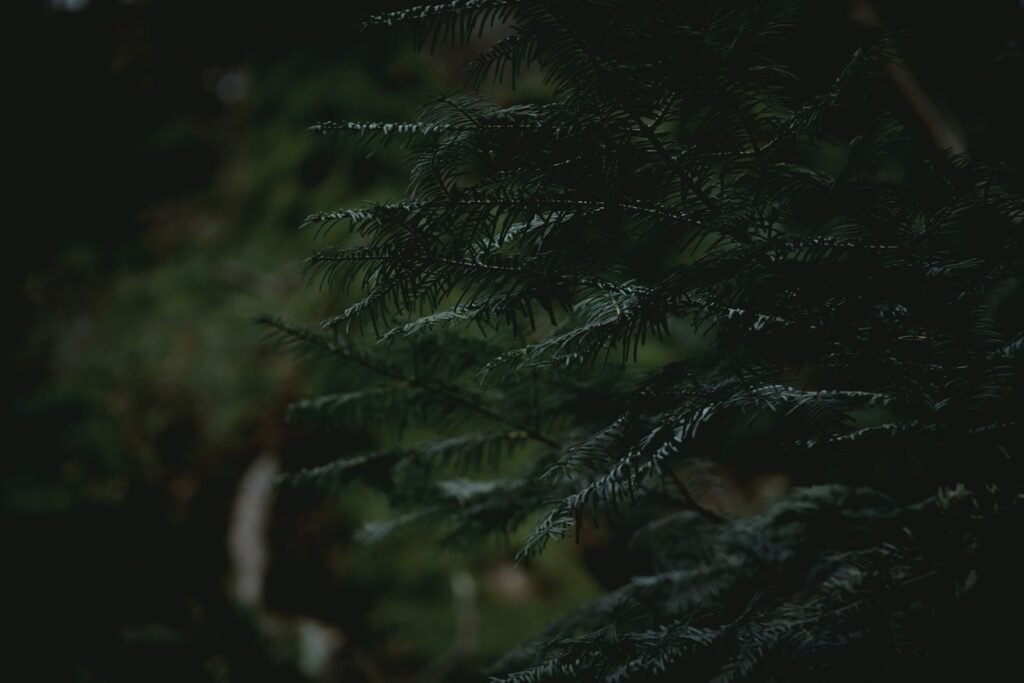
column 740, row 237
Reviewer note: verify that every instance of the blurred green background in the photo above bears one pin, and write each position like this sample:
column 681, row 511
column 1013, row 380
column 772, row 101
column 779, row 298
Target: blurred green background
column 161, row 167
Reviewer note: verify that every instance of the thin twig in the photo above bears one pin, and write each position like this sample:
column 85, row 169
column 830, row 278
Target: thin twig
column 690, row 502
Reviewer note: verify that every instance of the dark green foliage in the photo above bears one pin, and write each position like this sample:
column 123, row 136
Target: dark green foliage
column 723, row 239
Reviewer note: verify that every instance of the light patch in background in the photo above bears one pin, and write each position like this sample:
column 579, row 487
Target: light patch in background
column 67, row 5
column 229, row 85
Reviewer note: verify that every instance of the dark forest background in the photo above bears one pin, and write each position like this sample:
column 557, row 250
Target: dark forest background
column 161, row 165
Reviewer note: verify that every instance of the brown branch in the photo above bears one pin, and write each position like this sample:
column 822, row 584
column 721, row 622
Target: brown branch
column 942, row 126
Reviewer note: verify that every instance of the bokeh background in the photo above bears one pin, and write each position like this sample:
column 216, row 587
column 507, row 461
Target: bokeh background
column 163, row 165
column 158, row 166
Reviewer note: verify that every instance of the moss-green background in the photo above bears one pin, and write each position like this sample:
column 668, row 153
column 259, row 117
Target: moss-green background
column 166, row 168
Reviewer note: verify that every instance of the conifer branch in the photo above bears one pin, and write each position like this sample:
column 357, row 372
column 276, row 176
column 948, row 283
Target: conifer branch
column 702, row 248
